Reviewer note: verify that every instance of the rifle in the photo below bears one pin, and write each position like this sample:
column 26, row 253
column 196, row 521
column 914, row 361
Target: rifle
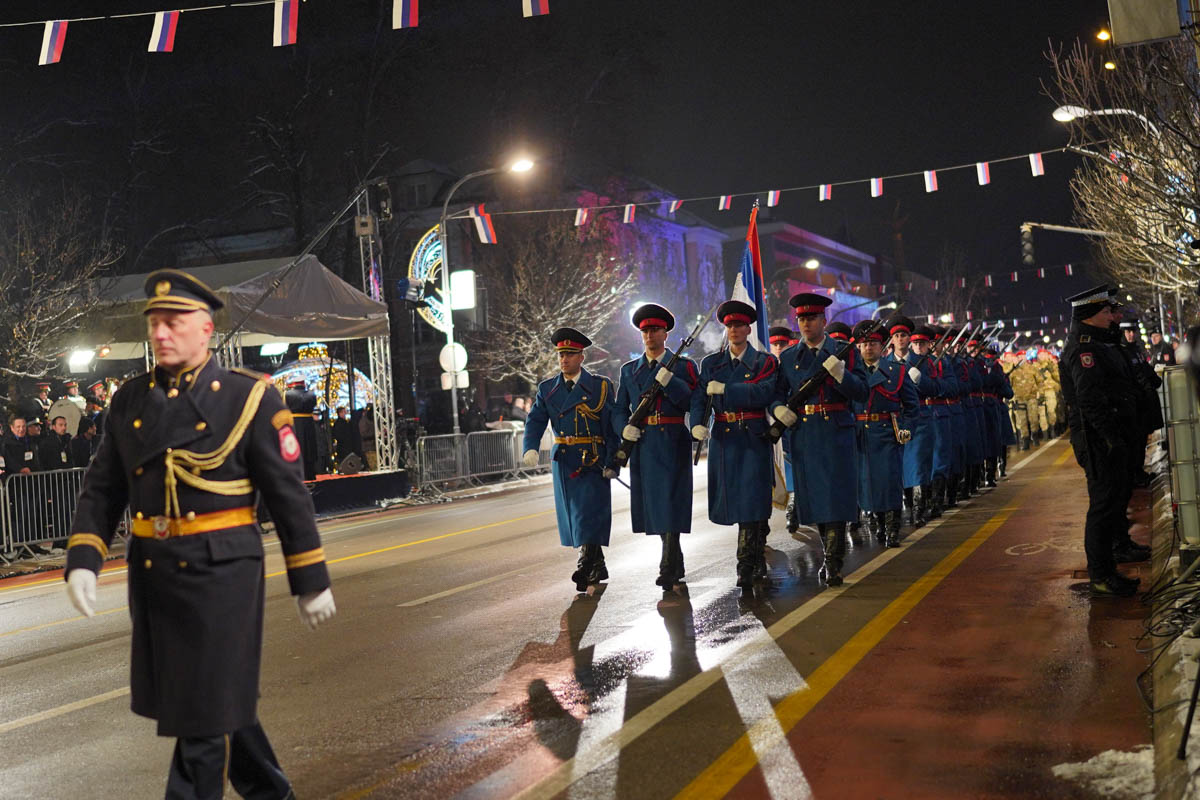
column 651, row 395
column 708, row 404
column 797, row 398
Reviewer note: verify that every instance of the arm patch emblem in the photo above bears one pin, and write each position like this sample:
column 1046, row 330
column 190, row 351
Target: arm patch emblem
column 289, row 447
column 1086, row 360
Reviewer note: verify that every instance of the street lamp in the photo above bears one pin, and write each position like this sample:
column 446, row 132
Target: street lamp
column 812, row 263
column 1070, row 113
column 520, row 165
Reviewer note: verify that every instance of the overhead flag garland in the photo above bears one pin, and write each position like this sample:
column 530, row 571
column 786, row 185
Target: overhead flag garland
column 675, row 204
column 725, row 202
column 162, row 35
column 983, row 173
column 772, row 198
column 483, row 224
column 876, row 187
column 826, row 192
column 53, row 37
column 581, row 217
column 404, row 14
column 1035, row 165
column 535, row 8
column 931, row 180
column 287, row 14
column 630, row 212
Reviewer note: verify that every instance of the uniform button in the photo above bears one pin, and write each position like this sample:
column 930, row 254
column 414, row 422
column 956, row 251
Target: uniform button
column 201, row 426
column 191, row 515
column 151, row 384
column 215, row 386
column 146, row 563
column 137, row 423
column 188, row 377
column 173, row 393
column 170, row 450
column 138, row 471
column 183, row 565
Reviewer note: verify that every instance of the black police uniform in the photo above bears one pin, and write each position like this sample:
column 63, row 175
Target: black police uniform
column 190, row 455
column 1101, row 393
column 302, row 402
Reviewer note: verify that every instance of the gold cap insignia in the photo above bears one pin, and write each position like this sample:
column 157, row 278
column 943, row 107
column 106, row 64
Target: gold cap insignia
column 162, row 287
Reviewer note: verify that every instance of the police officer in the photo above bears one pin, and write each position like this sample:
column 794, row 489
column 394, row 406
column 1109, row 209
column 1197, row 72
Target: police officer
column 822, row 434
column 884, row 422
column 1161, row 351
column 1100, row 395
column 660, row 467
column 302, row 402
column 578, row 406
column 918, row 453
column 741, row 383
column 781, row 338
column 188, row 447
column 1149, row 406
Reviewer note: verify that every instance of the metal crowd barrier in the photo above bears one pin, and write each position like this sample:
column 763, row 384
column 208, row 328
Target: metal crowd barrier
column 1183, row 436
column 467, row 458
column 492, row 453
column 37, row 508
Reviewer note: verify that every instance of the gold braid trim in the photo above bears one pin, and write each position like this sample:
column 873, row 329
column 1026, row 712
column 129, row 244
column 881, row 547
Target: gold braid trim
column 88, row 540
column 591, row 414
column 180, row 462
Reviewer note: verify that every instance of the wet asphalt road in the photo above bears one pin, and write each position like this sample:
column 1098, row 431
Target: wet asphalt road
column 462, row 662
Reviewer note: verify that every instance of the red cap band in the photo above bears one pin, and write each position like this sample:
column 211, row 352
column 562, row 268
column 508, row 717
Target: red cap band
column 567, row 344
column 775, row 339
column 809, row 310
column 895, row 328
column 736, row 318
column 650, row 322
column 876, row 336
column 919, row 337
column 843, row 337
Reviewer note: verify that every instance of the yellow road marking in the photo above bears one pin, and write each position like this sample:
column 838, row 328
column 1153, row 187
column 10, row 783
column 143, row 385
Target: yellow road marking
column 5, row 727
column 58, row 579
column 45, row 625
column 720, row 777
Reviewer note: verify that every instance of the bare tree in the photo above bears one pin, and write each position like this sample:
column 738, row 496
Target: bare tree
column 960, row 287
column 556, row 275
column 50, row 257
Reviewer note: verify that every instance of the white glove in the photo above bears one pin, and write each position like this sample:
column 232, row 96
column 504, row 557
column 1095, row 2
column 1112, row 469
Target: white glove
column 316, row 607
column 914, row 374
column 81, row 589
column 663, row 377
column 699, row 433
column 608, row 473
column 1160, row 368
column 835, row 367
column 716, row 387
column 530, row 459
column 786, row 416
column 631, row 433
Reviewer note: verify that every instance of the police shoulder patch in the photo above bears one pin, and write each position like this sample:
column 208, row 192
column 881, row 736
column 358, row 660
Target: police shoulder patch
column 1087, row 360
column 289, row 447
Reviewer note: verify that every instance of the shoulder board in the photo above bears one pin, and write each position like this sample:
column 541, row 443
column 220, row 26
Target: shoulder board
column 631, row 364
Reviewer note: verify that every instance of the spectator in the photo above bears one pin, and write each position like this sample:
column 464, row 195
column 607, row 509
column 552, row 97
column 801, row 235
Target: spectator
column 33, row 432
column 19, row 454
column 43, row 399
column 54, row 449
column 520, row 409
column 343, row 435
column 366, row 433
column 83, row 446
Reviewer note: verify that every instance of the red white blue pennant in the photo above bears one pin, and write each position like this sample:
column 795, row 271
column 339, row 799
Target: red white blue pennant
column 162, row 36
column 53, row 38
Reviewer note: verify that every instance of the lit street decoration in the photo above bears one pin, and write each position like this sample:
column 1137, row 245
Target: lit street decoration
column 425, row 269
column 314, row 367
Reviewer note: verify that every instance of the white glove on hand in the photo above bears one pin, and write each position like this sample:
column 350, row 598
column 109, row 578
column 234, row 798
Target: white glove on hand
column 608, row 473
column 663, row 377
column 530, row 459
column 835, row 367
column 786, row 416
column 716, row 387
column 914, row 374
column 1160, row 368
column 631, row 433
column 699, row 433
column 81, row 589
column 316, row 607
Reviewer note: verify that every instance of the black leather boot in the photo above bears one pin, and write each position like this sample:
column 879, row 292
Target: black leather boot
column 892, row 523
column 582, row 568
column 989, row 476
column 833, row 538
column 761, row 529
column 793, row 517
column 911, row 506
column 599, row 570
column 670, row 566
column 952, row 491
column 937, row 498
column 874, row 525
column 745, row 556
column 925, row 503
column 1002, row 464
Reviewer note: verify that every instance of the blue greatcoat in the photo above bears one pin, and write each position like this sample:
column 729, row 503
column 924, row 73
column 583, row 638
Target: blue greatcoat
column 740, row 464
column 988, row 408
column 1004, row 392
column 918, row 453
column 947, row 455
column 880, row 455
column 660, row 467
column 582, row 497
column 822, row 441
column 970, row 384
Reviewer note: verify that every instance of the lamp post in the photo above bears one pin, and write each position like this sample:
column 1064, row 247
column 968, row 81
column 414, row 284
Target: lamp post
column 521, row 165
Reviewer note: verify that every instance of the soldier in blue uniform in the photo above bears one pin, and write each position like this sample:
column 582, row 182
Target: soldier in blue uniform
column 189, row 447
column 781, row 338
column 918, row 453
column 970, row 381
column 822, row 435
column 939, row 404
column 578, row 406
column 999, row 393
column 660, row 467
column 741, row 383
column 884, row 422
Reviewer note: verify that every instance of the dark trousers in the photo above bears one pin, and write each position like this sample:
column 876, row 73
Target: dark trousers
column 1109, row 485
column 201, row 765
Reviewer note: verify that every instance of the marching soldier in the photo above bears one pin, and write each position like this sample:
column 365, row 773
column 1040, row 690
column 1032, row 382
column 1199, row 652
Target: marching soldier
column 188, row 447
column 741, row 383
column 1053, row 408
column 822, row 435
column 660, row 467
column 918, row 453
column 302, row 402
column 999, row 392
column 1024, row 381
column 884, row 423
column 781, row 338
column 977, row 429
column 946, row 459
column 1101, row 398
column 578, row 406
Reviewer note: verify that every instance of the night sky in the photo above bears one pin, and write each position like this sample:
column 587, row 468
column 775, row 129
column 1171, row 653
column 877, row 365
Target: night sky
column 700, row 97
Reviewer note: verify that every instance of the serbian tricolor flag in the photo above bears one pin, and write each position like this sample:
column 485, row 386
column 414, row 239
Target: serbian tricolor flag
column 983, row 173
column 52, row 42
column 1069, row 272
column 1035, row 164
column 724, row 203
column 962, row 283
column 675, row 204
column 581, row 217
column 876, row 187
column 535, row 8
column 1014, row 277
column 826, row 191
column 162, row 36
column 287, row 12
column 1041, row 272
column 987, row 280
column 882, row 288
column 936, row 283
column 773, row 198
column 630, row 211
column 404, row 14
column 483, row 224
column 930, row 180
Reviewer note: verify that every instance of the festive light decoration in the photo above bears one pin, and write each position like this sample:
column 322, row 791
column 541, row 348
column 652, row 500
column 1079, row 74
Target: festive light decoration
column 318, row 373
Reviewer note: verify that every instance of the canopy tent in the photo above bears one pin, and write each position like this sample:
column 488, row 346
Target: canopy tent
column 310, row 304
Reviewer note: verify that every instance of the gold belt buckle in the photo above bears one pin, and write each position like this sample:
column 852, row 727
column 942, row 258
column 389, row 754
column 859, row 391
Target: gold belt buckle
column 162, row 527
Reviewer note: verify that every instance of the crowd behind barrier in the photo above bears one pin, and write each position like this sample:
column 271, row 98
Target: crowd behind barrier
column 36, row 509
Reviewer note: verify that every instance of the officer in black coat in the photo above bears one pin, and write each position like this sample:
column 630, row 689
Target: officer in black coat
column 188, row 447
column 1149, row 406
column 1101, row 395
column 302, row 402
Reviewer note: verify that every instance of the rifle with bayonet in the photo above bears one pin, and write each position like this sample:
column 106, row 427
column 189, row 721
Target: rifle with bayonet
column 796, row 401
column 651, row 395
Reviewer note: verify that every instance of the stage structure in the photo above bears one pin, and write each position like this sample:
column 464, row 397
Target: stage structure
column 379, row 346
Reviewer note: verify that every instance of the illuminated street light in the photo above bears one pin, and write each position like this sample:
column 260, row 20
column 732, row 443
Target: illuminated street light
column 1103, row 35
column 521, row 165
column 1046, row 339
column 945, row 318
column 1072, row 113
column 1059, row 342
column 1110, row 65
column 812, row 263
column 80, row 360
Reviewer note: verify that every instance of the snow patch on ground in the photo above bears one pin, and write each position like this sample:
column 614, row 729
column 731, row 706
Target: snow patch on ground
column 1114, row 774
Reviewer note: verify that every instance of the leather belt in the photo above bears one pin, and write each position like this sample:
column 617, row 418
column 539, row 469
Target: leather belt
column 939, row 401
column 991, row 396
column 166, row 527
column 659, row 419
column 976, row 394
column 824, row 408
column 738, row 416
column 882, row 415
column 579, row 440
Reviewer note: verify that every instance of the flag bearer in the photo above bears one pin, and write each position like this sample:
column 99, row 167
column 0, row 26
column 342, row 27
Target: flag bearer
column 660, row 467
column 578, row 406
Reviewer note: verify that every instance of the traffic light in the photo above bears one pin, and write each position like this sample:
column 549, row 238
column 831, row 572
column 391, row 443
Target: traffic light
column 1027, row 245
